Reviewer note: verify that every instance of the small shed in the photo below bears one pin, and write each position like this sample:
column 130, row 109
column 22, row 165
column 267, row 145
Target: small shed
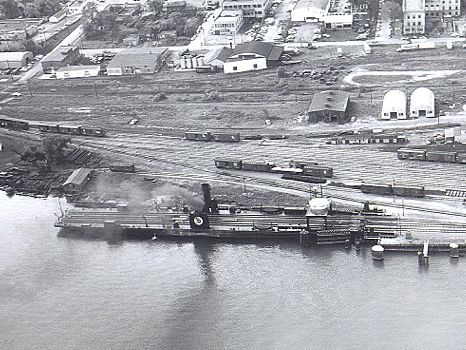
column 77, row 180
column 329, row 106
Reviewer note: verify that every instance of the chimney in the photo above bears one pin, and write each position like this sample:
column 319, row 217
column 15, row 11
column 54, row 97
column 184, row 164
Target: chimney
column 231, row 45
column 210, row 206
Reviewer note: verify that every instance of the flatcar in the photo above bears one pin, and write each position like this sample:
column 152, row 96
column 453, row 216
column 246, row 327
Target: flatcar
column 14, row 124
column 411, row 153
column 304, row 178
column 438, row 156
column 257, row 166
column 122, row 168
column 408, row 191
column 226, row 137
column 318, row 171
column 197, row 136
column 228, row 164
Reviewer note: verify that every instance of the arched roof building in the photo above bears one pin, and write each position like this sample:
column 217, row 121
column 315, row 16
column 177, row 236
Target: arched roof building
column 394, row 105
column 422, row 103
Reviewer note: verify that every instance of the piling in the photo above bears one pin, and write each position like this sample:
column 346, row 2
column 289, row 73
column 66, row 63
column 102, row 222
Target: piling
column 112, row 230
column 304, row 238
column 347, row 244
column 454, row 250
column 357, row 244
column 377, row 252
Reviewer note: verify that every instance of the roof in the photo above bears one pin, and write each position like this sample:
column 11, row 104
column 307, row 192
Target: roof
column 306, row 4
column 267, row 50
column 220, row 54
column 414, row 5
column 226, row 14
column 75, row 68
column 331, row 100
column 59, row 54
column 137, row 57
column 14, row 56
column 422, row 97
column 78, row 177
column 394, row 99
column 59, row 13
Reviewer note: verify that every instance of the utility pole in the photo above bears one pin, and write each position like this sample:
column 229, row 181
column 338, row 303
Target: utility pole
column 29, row 87
column 95, row 89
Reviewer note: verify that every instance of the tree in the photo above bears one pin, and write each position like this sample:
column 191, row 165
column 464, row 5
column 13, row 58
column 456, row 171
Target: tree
column 89, row 12
column 54, row 147
column 9, row 8
column 156, row 6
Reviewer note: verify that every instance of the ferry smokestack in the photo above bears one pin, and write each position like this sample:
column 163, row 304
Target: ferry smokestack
column 210, row 205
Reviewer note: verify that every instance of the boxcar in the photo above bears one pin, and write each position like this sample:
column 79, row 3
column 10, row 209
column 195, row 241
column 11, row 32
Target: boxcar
column 198, row 136
column 376, row 189
column 123, row 168
column 257, row 166
column 71, row 130
column 301, row 164
column 318, row 171
column 226, row 137
column 87, row 131
column 228, row 163
column 461, row 158
column 411, row 153
column 304, row 178
column 408, row 191
column 16, row 124
column 437, row 156
column 48, row 128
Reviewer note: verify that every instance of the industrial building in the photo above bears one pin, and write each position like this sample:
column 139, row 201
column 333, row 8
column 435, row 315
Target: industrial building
column 217, row 57
column 228, row 22
column 60, row 57
column 310, row 10
column 253, row 55
column 136, row 61
column 422, row 103
column 15, row 59
column 77, row 180
column 394, row 105
column 251, row 8
column 329, row 106
column 77, row 72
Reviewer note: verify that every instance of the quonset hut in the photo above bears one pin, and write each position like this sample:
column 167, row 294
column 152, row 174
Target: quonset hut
column 422, row 103
column 394, row 105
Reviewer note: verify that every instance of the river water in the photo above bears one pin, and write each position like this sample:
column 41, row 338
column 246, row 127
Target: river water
column 61, row 293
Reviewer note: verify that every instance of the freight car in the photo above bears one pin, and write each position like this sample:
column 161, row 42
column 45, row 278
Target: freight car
column 228, row 164
column 280, row 170
column 444, row 157
column 70, row 130
column 318, row 171
column 368, row 139
column 432, row 156
column 197, row 136
column 301, row 164
column 122, row 168
column 208, row 136
column 397, row 190
column 257, row 166
column 411, row 154
column 304, row 178
column 14, row 124
column 226, row 137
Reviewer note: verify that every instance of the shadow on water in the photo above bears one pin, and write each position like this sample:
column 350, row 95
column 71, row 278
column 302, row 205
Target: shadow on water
column 204, row 251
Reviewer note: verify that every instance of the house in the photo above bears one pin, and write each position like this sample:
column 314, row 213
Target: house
column 60, row 57
column 217, row 57
column 136, row 61
column 228, row 22
column 57, row 17
column 253, row 55
column 77, row 180
column 394, row 105
column 251, row 8
column 77, row 72
column 15, row 59
column 329, row 106
column 15, row 32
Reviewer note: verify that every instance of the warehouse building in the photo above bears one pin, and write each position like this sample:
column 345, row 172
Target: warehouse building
column 77, row 72
column 329, row 106
column 15, row 59
column 77, row 180
column 253, row 55
column 136, row 61
column 394, row 105
column 422, row 103
column 217, row 57
column 60, row 57
column 310, row 10
column 251, row 8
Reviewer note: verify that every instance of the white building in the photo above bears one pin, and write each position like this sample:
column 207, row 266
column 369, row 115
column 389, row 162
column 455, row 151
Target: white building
column 77, row 72
column 310, row 10
column 57, row 17
column 76, row 7
column 15, row 59
column 253, row 55
column 422, row 103
column 414, row 18
column 228, row 22
column 251, row 8
column 394, row 105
